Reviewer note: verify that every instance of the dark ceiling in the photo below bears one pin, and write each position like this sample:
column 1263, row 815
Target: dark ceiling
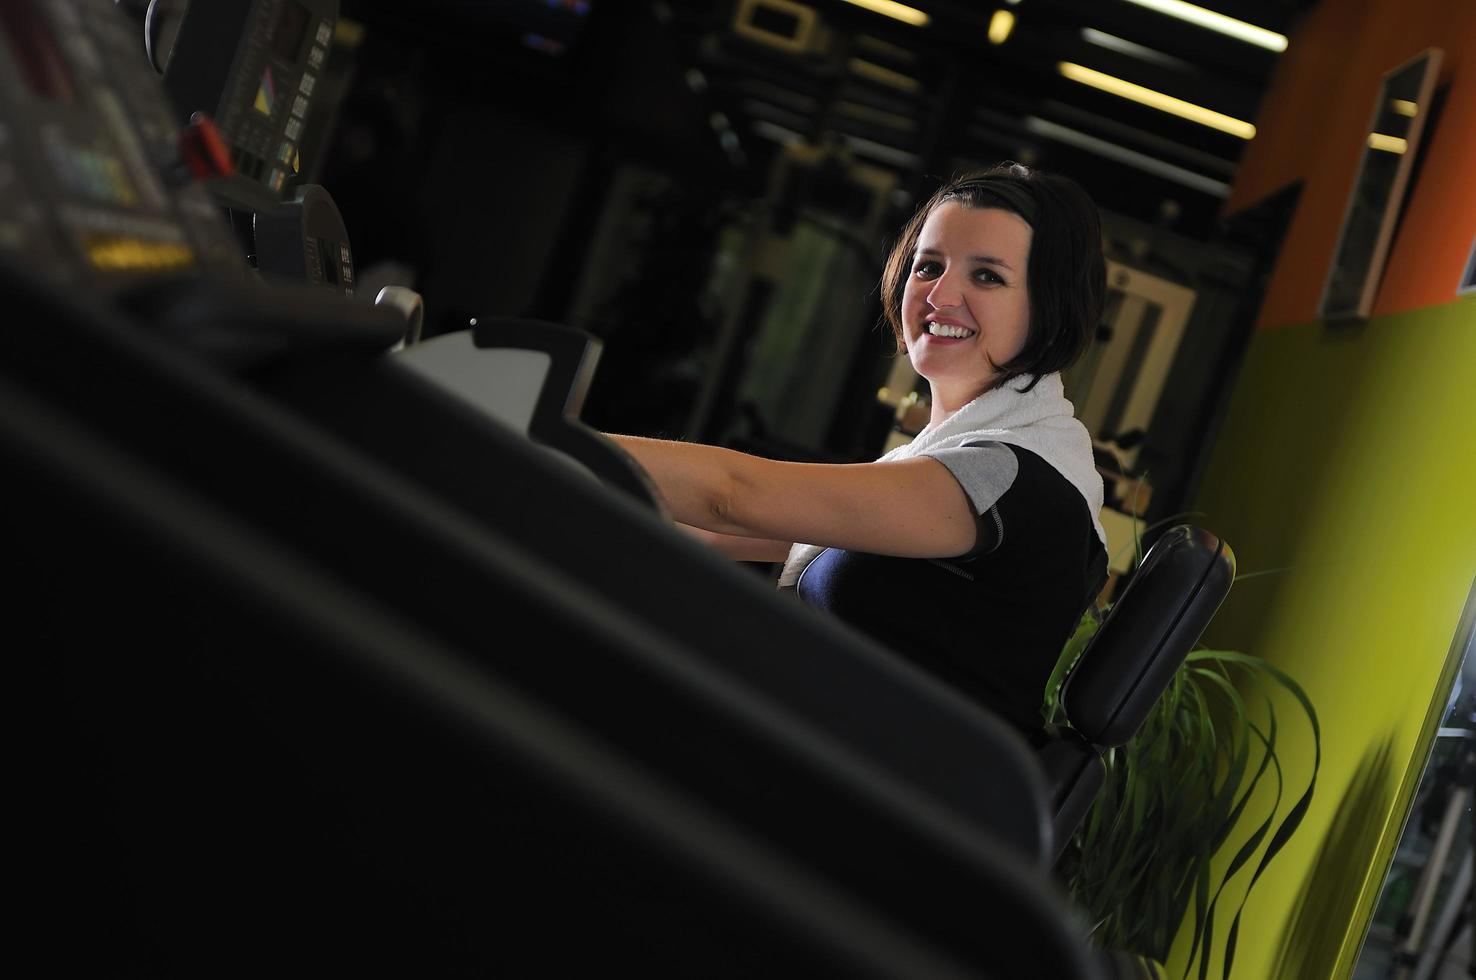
column 681, row 78
column 946, row 97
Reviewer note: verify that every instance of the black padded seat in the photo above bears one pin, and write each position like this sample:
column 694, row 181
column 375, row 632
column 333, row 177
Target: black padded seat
column 1162, row 613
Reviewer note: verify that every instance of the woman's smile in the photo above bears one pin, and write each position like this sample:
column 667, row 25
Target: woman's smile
column 941, row 329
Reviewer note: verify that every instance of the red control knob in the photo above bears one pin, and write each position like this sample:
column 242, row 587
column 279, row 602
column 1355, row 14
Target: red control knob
column 203, row 151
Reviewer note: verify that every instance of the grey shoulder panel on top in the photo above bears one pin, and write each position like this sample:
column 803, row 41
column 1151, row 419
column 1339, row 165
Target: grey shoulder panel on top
column 985, row 470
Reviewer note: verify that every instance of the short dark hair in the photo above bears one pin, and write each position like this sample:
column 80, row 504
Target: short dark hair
column 1067, row 280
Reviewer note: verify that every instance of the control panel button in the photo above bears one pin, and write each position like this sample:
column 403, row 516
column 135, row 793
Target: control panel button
column 203, row 151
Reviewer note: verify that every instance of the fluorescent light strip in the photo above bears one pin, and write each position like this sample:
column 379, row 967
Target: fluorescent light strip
column 1000, row 26
column 1114, row 43
column 881, row 117
column 1151, row 143
column 1389, row 144
column 773, row 113
column 883, row 76
column 1237, row 29
column 1404, row 107
column 881, row 152
column 884, row 48
column 896, row 11
column 868, row 148
column 1122, row 154
column 775, row 132
column 788, row 98
column 1159, row 101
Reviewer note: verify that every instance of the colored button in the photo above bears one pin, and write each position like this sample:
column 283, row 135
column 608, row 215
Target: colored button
column 203, row 151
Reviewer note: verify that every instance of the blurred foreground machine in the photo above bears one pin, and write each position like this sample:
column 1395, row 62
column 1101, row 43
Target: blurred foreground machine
column 325, row 669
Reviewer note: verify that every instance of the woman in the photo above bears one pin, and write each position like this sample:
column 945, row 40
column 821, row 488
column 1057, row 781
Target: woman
column 974, row 549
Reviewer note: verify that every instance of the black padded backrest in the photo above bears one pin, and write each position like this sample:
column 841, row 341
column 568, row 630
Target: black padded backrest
column 1151, row 629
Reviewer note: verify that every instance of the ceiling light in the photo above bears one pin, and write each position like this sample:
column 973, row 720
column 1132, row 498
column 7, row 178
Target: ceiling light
column 1000, row 26
column 1140, row 161
column 773, row 113
column 866, row 113
column 1159, row 101
column 882, row 152
column 883, row 76
column 896, row 11
column 1404, row 107
column 1237, row 29
column 885, row 48
column 779, row 95
column 775, row 132
column 1144, row 141
column 1114, row 43
column 1389, row 144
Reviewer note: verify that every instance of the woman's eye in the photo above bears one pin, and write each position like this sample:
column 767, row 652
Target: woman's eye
column 989, row 276
column 925, row 270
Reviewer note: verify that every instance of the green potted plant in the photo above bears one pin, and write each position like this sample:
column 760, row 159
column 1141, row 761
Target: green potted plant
column 1176, row 795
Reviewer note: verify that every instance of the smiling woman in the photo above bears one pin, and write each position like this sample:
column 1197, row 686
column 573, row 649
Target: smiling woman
column 955, row 292
column 974, row 549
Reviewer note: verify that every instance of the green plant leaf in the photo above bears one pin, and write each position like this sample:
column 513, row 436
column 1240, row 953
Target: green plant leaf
column 1141, row 860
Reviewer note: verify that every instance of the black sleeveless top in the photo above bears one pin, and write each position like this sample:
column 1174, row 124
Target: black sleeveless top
column 993, row 622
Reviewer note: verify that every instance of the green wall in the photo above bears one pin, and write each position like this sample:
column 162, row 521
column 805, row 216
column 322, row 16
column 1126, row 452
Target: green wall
column 1348, row 461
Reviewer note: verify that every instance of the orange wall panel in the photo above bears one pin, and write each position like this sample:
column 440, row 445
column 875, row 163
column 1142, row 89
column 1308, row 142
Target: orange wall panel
column 1312, row 127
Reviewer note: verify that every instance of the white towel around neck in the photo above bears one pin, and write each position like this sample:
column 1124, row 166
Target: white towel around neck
column 1041, row 420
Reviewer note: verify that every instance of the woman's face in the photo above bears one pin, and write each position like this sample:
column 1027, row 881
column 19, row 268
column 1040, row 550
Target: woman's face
column 965, row 300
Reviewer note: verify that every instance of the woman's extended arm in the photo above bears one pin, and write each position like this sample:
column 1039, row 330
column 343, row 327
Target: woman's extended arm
column 909, row 508
column 740, row 548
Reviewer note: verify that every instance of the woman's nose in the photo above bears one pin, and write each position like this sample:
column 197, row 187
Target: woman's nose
column 945, row 292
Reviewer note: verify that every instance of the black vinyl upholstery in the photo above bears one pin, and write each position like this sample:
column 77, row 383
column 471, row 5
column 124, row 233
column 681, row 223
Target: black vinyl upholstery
column 1163, row 611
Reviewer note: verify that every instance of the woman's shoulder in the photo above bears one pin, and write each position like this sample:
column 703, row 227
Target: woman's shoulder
column 1036, row 478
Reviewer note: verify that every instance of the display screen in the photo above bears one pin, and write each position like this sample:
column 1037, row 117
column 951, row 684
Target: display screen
column 289, row 30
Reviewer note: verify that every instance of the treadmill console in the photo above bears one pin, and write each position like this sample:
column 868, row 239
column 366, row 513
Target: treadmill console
column 92, row 187
column 253, row 65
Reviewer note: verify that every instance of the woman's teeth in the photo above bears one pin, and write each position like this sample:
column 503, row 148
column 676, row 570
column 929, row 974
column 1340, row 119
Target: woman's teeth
column 948, row 330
